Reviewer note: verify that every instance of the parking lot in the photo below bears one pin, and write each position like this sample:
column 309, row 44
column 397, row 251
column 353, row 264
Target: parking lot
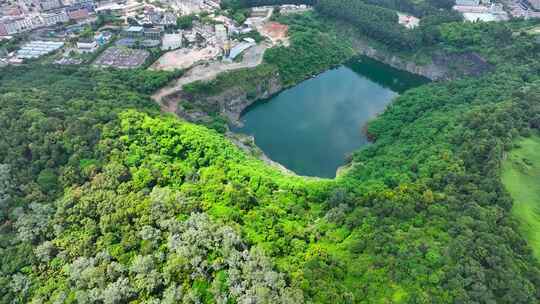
column 122, row 58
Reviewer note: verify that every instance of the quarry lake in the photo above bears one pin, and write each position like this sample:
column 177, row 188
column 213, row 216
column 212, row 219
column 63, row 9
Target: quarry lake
column 312, row 127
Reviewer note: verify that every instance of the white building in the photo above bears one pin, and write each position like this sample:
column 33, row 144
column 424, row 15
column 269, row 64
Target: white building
column 9, row 27
column 54, row 18
column 49, row 4
column 128, row 9
column 168, row 19
column 408, row 21
column 261, row 11
column 171, row 41
column 294, row 9
column 475, row 17
column 467, row 2
column 87, row 46
column 485, row 12
column 188, row 7
column 14, row 25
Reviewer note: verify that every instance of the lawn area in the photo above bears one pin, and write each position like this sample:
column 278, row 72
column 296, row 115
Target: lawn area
column 521, row 177
column 535, row 30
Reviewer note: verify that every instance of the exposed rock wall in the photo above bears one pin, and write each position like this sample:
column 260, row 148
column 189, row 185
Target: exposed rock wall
column 441, row 67
column 234, row 100
column 231, row 102
column 431, row 71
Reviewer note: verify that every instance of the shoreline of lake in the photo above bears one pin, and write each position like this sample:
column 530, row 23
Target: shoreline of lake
column 360, row 90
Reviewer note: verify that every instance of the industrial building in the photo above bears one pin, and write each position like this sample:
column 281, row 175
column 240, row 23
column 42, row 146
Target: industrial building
column 240, row 48
column 37, row 49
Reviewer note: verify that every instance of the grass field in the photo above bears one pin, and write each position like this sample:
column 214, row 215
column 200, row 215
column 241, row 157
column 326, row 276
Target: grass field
column 521, row 177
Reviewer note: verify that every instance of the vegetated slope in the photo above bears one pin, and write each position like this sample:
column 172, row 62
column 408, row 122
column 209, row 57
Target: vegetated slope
column 87, row 192
column 521, row 176
column 377, row 19
column 105, row 200
column 164, row 210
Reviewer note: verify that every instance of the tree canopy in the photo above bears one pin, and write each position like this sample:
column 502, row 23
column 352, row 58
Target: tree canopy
column 106, row 200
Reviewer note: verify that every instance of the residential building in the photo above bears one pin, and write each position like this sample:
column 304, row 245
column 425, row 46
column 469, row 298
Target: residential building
column 78, row 14
column 120, row 9
column 497, row 8
column 168, row 19
column 153, row 33
column 55, row 18
column 133, row 32
column 3, row 30
column 47, row 5
column 74, row 5
column 84, row 3
column 154, row 18
column 11, row 11
column 14, row 25
column 103, row 37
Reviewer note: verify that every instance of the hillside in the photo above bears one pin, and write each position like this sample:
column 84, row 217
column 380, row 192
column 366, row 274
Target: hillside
column 520, row 176
column 103, row 199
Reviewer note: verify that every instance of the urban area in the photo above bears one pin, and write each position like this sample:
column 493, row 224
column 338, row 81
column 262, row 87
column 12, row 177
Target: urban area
column 171, row 34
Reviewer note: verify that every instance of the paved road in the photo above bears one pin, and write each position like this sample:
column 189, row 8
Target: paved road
column 252, row 58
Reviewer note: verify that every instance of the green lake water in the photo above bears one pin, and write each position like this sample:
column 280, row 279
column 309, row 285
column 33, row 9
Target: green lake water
column 312, row 127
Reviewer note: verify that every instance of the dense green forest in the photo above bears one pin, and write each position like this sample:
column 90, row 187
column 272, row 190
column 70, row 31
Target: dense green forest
column 378, row 19
column 105, row 200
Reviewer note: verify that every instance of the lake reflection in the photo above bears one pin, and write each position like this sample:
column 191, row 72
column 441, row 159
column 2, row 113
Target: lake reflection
column 312, row 127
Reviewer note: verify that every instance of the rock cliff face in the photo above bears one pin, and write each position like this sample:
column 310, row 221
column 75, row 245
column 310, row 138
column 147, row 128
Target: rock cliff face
column 234, row 100
column 431, row 71
column 441, row 67
column 231, row 102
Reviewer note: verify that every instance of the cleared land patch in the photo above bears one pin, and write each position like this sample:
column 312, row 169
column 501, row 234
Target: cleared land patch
column 521, row 177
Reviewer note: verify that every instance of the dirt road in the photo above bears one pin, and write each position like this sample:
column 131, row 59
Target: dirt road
column 252, row 58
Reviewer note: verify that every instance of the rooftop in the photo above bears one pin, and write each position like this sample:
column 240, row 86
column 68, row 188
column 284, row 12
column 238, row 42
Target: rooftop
column 134, row 29
column 239, row 49
column 36, row 49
